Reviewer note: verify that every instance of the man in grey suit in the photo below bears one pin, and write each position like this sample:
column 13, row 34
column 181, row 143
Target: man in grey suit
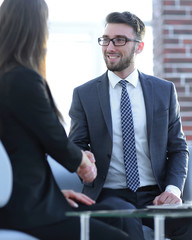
column 161, row 149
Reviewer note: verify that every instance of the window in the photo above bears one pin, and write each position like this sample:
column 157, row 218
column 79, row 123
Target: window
column 74, row 56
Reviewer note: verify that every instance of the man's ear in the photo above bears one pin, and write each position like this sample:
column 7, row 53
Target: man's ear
column 139, row 47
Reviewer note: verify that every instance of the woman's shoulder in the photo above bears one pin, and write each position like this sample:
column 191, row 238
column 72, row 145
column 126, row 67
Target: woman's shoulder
column 21, row 75
column 20, row 71
column 21, row 80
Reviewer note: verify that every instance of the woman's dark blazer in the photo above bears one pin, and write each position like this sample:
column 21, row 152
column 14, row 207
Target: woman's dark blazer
column 31, row 129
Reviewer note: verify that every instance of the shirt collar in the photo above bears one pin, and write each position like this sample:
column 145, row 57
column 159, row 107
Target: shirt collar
column 133, row 78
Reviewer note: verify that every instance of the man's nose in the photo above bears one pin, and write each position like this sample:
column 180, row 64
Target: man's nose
column 111, row 45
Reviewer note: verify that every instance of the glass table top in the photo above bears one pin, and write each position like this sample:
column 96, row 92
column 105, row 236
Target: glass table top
column 152, row 211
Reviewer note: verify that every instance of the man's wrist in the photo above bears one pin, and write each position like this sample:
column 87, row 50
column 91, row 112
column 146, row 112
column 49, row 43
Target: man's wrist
column 173, row 189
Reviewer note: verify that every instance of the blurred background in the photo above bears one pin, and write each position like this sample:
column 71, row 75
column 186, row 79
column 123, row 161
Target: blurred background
column 74, row 56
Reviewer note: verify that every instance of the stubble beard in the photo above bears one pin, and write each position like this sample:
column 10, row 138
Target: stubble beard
column 123, row 63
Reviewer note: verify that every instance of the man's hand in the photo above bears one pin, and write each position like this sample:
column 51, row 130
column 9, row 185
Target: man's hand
column 166, row 198
column 90, row 156
column 74, row 197
column 87, row 169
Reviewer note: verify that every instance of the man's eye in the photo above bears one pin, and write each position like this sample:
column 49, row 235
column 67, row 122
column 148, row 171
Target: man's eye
column 120, row 40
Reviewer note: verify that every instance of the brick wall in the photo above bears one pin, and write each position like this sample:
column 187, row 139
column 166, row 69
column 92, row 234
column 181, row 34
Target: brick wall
column 172, row 32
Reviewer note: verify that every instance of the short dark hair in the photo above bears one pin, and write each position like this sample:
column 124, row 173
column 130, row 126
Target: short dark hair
column 129, row 19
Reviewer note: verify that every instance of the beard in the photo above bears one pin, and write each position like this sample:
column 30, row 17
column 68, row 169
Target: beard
column 123, row 63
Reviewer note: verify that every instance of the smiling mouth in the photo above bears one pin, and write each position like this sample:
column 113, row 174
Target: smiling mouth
column 112, row 56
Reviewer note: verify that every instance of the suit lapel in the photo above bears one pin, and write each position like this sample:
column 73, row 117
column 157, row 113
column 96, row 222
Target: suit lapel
column 147, row 87
column 103, row 93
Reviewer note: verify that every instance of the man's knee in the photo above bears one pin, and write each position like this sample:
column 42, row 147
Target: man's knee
column 117, row 203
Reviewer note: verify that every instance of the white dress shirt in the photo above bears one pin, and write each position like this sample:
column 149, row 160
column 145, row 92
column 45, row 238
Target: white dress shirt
column 116, row 175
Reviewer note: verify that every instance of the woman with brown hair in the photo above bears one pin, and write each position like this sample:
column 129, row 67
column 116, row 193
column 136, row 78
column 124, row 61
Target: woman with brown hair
column 31, row 128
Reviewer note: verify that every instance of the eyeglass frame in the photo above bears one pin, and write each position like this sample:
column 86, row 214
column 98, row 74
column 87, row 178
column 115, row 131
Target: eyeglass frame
column 112, row 39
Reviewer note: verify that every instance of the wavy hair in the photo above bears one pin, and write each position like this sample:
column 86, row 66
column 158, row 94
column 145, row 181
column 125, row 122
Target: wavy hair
column 129, row 19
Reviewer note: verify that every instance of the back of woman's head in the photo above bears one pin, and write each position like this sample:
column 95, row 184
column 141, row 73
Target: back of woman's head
column 23, row 33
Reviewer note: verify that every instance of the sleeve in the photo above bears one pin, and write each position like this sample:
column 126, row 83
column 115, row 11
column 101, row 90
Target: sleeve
column 177, row 151
column 79, row 133
column 34, row 109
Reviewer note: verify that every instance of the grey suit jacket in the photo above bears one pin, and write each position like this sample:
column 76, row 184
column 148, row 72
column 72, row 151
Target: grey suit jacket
column 91, row 129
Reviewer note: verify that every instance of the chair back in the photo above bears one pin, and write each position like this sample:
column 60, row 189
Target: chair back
column 6, row 176
column 6, row 185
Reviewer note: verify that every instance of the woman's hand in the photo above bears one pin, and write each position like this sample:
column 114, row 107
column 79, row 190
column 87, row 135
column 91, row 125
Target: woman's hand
column 87, row 170
column 74, row 197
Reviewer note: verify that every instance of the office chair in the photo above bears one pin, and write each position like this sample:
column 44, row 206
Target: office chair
column 6, row 185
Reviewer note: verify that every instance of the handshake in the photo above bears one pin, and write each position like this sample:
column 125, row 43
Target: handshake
column 87, row 170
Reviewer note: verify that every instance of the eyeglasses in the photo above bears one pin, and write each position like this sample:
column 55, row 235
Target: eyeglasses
column 118, row 41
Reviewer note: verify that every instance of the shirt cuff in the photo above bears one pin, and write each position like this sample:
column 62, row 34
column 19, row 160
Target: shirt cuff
column 173, row 189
